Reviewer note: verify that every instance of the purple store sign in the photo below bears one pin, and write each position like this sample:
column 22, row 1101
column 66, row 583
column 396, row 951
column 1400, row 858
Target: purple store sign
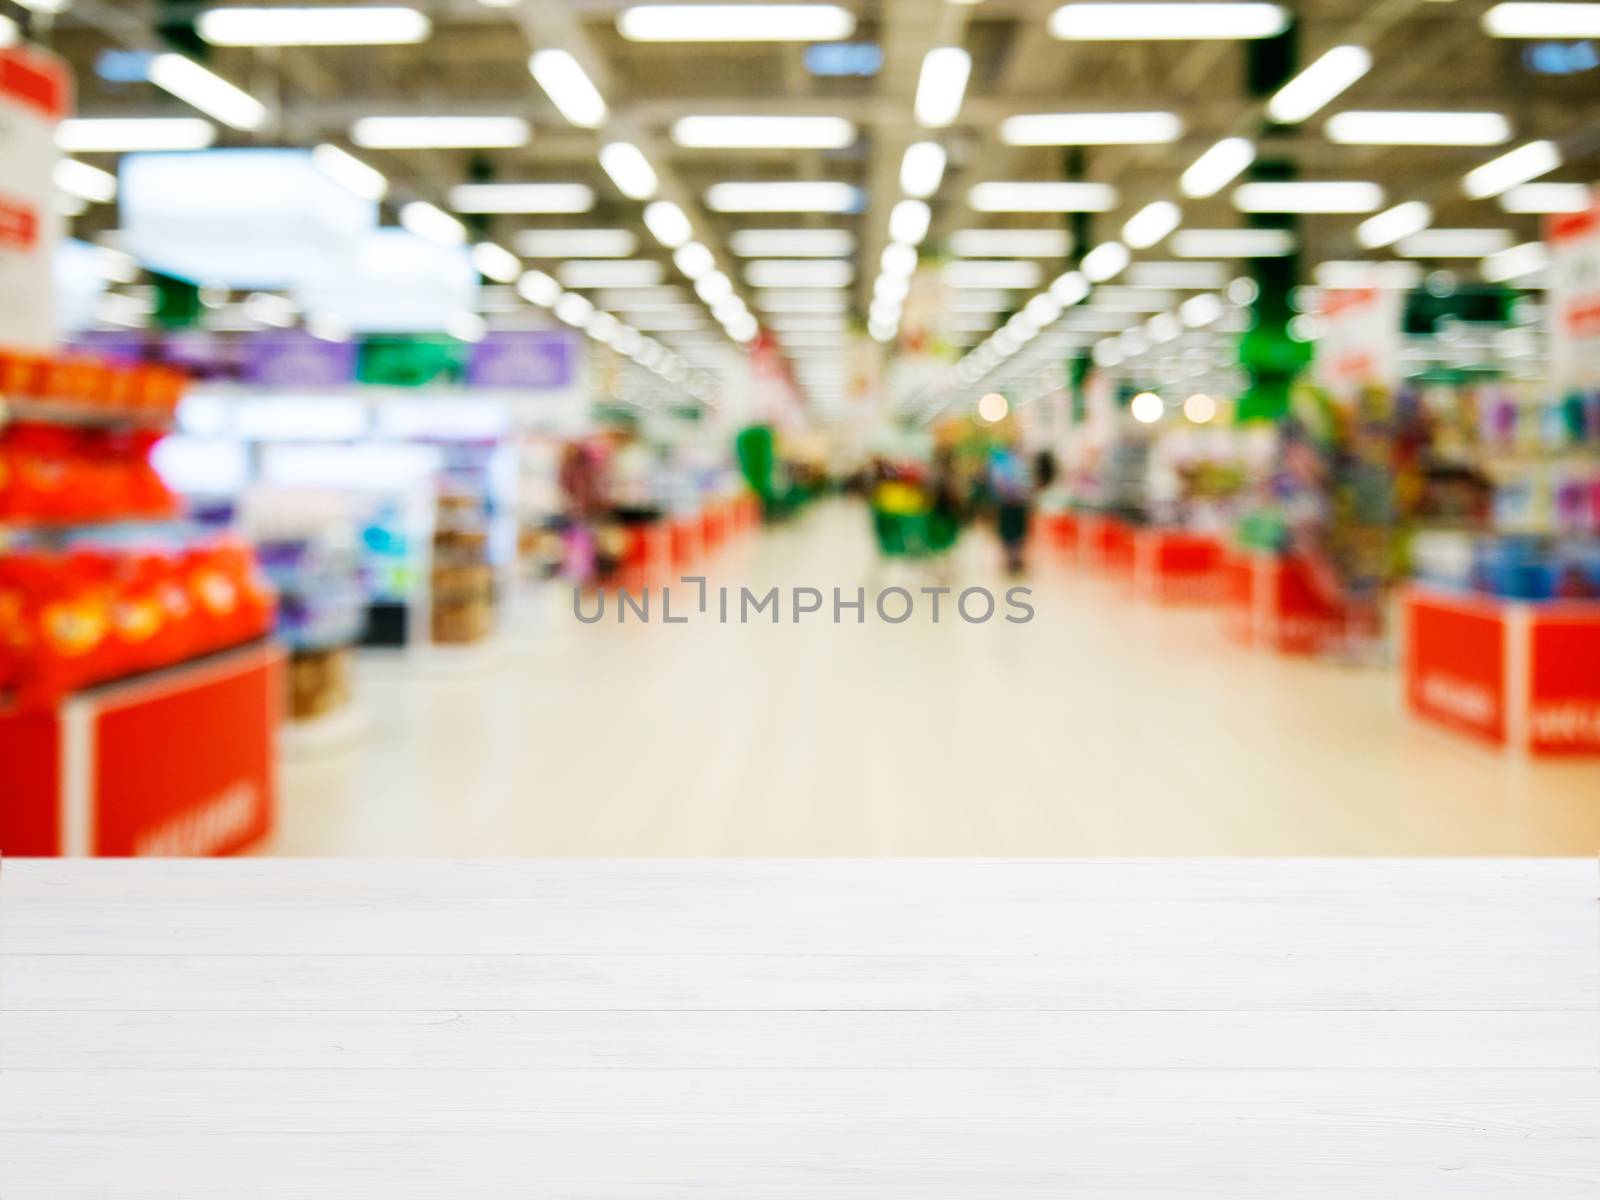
column 537, row 359
column 295, row 359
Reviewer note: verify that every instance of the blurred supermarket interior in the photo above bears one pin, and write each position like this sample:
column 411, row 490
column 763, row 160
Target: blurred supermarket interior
column 894, row 427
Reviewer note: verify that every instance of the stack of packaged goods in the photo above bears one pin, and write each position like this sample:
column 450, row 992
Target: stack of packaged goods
column 463, row 574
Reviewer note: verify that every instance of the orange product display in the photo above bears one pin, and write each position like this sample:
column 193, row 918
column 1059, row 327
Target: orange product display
column 81, row 388
column 73, row 618
column 57, row 475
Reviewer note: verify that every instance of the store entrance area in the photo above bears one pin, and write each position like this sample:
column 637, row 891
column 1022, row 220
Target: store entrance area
column 1100, row 727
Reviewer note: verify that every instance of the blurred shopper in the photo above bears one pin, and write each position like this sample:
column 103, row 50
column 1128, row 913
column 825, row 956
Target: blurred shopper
column 1011, row 486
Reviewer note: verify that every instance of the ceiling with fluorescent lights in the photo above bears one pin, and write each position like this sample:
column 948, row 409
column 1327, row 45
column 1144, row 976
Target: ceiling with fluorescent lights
column 1171, row 100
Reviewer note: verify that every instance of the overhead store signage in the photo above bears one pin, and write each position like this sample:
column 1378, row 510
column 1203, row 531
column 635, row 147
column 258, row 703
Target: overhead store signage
column 1574, row 240
column 35, row 91
column 394, row 282
column 1360, row 340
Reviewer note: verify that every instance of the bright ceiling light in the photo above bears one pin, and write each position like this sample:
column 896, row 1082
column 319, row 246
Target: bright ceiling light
column 1217, row 167
column 764, row 133
column 1513, row 167
column 1418, row 129
column 10, row 35
column 1147, row 408
column 1167, row 22
column 521, row 198
column 1132, row 299
column 538, row 288
column 629, row 169
column 350, row 173
column 908, row 222
column 941, row 86
column 601, row 273
column 427, row 221
column 496, row 262
column 792, row 243
column 1200, row 311
column 890, row 290
column 1199, row 407
column 1547, row 198
column 332, row 26
column 1454, row 243
column 1390, row 226
column 798, row 196
column 569, row 87
column 922, row 169
column 695, row 260
column 439, row 133
column 573, row 309
column 575, row 243
column 1043, row 196
column 714, row 288
column 1009, row 243
column 667, row 223
column 993, row 407
column 898, row 260
column 1043, row 309
column 790, row 272
column 1308, row 197
column 1151, row 223
column 1517, row 262
column 735, row 23
column 1091, row 129
column 1070, row 287
column 1319, row 83
column 1232, row 243
column 976, row 301
column 1553, row 21
column 1105, row 261
column 1184, row 275
column 602, row 326
column 1345, row 274
column 1163, row 327
column 801, row 301
column 467, row 327
column 86, row 182
column 209, row 92
column 991, row 273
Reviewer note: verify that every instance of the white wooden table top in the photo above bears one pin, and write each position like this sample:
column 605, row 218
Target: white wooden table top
column 891, row 1030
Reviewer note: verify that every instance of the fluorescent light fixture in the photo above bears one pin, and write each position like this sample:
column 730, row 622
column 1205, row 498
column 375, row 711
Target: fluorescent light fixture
column 1319, row 83
column 941, row 86
column 1009, row 243
column 629, row 169
column 1199, row 311
column 601, row 273
column 1044, row 196
column 975, row 301
column 991, row 273
column 277, row 311
column 922, row 169
column 667, row 223
column 890, row 290
column 1232, row 243
column 791, row 272
column 1132, row 299
column 1553, row 21
column 1070, row 287
column 802, row 301
column 1217, row 167
column 538, row 288
column 440, row 133
column 736, row 23
column 764, row 133
column 1302, row 196
column 797, row 196
column 1454, row 243
column 573, row 309
column 1388, row 227
column 569, row 87
column 467, row 327
column 1182, row 275
column 1043, row 309
column 898, row 260
column 207, row 91
column 350, row 173
column 803, row 323
column 714, row 288
column 427, row 221
column 602, row 326
column 496, row 262
column 1515, row 262
column 1091, row 129
column 626, row 299
column 1344, row 274
column 521, row 198
column 1513, row 167
column 1151, row 223
column 86, row 182
column 1548, row 198
column 792, row 243
column 1105, row 261
column 9, row 33
column 575, row 243
column 332, row 26
column 1418, row 129
column 695, row 260
column 908, row 222
column 1167, row 22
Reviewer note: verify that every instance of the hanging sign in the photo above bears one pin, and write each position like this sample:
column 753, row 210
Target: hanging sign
column 1574, row 240
column 1361, row 337
column 35, row 90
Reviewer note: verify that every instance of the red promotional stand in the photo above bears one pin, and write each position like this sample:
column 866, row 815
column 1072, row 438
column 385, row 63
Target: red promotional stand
column 1525, row 676
column 1174, row 566
column 1271, row 601
column 1105, row 542
column 1059, row 532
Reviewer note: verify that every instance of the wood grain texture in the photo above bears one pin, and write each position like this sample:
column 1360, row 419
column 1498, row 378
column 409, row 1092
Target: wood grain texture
column 633, row 1030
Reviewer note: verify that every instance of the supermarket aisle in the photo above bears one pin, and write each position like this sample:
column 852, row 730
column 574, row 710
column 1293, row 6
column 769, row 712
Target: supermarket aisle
column 1100, row 727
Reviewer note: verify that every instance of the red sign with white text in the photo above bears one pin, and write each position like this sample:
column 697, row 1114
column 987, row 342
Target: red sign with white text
column 1456, row 665
column 1564, row 692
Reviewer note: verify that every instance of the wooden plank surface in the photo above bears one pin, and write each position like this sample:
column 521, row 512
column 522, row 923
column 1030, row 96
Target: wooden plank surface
column 628, row 1030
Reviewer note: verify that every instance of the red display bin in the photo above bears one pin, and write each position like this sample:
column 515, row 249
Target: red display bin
column 1271, row 601
column 1059, row 532
column 1519, row 675
column 179, row 762
column 1105, row 543
column 686, row 540
column 1174, row 566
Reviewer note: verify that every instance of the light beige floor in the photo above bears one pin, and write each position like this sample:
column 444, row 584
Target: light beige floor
column 1101, row 728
